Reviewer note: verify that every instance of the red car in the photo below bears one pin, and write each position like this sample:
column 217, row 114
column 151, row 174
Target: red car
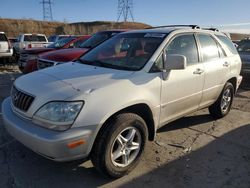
column 28, row 58
column 67, row 55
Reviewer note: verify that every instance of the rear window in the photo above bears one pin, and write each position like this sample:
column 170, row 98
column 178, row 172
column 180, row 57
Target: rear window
column 3, row 37
column 34, row 38
column 227, row 42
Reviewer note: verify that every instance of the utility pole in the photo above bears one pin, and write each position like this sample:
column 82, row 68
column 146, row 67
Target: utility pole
column 47, row 10
column 125, row 10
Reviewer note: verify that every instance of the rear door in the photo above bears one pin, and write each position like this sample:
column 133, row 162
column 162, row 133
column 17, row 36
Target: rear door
column 4, row 45
column 216, row 68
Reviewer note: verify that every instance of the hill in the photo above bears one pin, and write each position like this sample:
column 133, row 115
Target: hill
column 13, row 27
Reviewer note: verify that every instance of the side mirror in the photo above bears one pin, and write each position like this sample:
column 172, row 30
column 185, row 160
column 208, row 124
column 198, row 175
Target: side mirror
column 173, row 62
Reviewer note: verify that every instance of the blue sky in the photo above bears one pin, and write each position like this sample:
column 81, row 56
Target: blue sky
column 154, row 12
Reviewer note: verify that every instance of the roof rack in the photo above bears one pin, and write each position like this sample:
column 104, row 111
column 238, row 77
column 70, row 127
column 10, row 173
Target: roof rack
column 211, row 29
column 192, row 26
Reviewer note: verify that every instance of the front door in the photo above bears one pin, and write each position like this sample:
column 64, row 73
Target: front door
column 182, row 91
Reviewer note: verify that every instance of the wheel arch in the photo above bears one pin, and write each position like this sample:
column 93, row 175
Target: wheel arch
column 141, row 109
column 233, row 81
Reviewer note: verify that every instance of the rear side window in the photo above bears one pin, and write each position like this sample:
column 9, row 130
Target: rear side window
column 227, row 42
column 184, row 45
column 209, row 48
column 3, row 37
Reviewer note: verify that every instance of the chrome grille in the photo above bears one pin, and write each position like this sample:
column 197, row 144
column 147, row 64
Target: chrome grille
column 44, row 64
column 20, row 99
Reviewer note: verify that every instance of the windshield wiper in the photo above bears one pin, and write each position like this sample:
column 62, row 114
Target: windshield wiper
column 86, row 46
column 106, row 65
column 94, row 63
column 85, row 62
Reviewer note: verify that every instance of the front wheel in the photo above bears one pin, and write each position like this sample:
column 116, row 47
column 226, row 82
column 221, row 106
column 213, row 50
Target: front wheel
column 223, row 104
column 119, row 145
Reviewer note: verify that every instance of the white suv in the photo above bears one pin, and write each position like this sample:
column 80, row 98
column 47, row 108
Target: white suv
column 6, row 50
column 113, row 99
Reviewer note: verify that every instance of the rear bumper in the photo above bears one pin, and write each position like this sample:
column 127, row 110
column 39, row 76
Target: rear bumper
column 48, row 143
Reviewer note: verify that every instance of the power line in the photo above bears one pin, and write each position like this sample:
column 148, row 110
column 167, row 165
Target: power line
column 125, row 10
column 47, row 10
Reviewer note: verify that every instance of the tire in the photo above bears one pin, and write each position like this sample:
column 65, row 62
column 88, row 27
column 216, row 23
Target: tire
column 223, row 104
column 109, row 141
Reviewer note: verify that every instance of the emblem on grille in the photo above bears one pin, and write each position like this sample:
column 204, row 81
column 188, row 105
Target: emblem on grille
column 15, row 96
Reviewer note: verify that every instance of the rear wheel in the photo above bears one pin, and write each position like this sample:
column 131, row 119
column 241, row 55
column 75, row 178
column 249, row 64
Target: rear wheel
column 119, row 146
column 223, row 104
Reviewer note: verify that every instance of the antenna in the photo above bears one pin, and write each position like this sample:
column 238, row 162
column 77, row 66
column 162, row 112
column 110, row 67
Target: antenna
column 125, row 10
column 47, row 10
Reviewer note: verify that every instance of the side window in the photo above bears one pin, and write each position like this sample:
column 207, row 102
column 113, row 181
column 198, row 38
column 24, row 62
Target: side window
column 209, row 48
column 221, row 51
column 227, row 42
column 184, row 45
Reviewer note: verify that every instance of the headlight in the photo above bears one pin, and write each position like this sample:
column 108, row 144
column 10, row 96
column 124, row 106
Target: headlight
column 58, row 115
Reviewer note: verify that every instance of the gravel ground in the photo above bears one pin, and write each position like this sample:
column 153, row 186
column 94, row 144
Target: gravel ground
column 195, row 151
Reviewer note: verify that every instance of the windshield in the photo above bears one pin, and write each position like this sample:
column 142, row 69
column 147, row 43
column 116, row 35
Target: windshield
column 244, row 46
column 95, row 40
column 128, row 51
column 61, row 43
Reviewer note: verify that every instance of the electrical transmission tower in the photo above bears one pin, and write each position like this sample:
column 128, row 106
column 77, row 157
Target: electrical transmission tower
column 125, row 10
column 47, row 10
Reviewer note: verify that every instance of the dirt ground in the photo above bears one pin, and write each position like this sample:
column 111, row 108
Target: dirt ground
column 195, row 151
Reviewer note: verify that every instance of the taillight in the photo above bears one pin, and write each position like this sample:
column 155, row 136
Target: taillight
column 9, row 45
column 29, row 46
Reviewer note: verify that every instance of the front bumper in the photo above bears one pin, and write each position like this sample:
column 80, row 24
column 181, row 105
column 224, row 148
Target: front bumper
column 48, row 143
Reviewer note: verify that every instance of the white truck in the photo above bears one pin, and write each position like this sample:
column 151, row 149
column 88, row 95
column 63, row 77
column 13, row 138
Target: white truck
column 5, row 47
column 26, row 41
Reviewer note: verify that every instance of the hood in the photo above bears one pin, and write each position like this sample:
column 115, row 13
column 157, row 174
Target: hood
column 37, row 50
column 245, row 57
column 64, row 55
column 66, row 81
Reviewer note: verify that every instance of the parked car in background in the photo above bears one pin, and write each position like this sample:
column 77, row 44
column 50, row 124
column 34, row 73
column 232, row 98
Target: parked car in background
column 28, row 58
column 244, row 51
column 12, row 41
column 66, row 55
column 26, row 41
column 6, row 50
column 54, row 38
column 110, row 102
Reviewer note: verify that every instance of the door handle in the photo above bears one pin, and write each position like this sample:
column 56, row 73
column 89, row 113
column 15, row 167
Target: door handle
column 226, row 64
column 198, row 71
